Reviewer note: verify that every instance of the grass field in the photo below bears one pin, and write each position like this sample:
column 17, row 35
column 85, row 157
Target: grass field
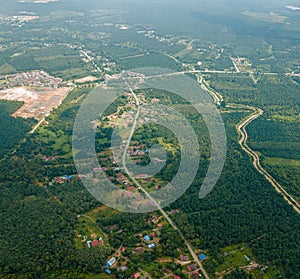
column 86, row 228
column 282, row 162
column 235, row 257
column 60, row 144
column 150, row 60
column 6, row 69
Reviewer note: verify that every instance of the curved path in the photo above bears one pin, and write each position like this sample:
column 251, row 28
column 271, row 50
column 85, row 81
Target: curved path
column 241, row 128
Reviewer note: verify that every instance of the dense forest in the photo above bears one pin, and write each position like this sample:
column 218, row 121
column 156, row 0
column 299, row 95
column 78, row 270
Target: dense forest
column 276, row 139
column 12, row 129
column 41, row 219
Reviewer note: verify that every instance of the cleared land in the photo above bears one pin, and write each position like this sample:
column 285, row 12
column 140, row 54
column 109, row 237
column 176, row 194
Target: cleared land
column 85, row 79
column 37, row 101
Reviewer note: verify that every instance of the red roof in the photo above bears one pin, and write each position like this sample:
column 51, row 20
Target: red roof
column 130, row 188
column 95, row 243
column 137, row 275
column 184, row 258
column 177, row 277
column 191, row 267
column 160, row 225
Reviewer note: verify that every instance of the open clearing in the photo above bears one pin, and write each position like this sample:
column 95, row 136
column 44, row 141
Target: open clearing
column 282, row 162
column 37, row 101
column 86, row 79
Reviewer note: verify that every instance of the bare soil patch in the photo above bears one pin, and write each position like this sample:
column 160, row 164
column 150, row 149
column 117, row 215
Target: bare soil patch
column 37, row 101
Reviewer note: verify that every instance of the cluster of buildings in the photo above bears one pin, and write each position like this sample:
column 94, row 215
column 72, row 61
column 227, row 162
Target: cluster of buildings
column 95, row 242
column 106, row 65
column 241, row 64
column 53, row 158
column 112, row 262
column 63, row 179
column 150, row 240
column 17, row 20
column 33, row 78
column 150, row 32
column 137, row 150
column 147, row 238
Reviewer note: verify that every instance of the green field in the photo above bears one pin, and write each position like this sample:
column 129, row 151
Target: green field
column 6, row 69
column 282, row 162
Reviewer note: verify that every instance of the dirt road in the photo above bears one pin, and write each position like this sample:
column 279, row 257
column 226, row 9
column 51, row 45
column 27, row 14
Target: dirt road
column 241, row 128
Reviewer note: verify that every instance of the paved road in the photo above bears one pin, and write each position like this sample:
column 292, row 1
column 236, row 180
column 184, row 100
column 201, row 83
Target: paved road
column 218, row 98
column 192, row 252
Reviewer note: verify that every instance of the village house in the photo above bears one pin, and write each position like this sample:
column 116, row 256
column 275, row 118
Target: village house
column 184, row 258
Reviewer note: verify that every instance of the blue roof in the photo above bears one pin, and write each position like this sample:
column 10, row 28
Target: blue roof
column 152, row 245
column 108, row 271
column 202, row 257
column 111, row 261
column 147, row 238
column 123, row 268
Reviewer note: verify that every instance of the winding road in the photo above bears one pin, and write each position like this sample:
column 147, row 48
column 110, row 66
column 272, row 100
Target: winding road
column 241, row 128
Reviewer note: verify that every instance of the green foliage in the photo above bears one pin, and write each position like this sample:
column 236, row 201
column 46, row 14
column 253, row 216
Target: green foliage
column 270, row 90
column 238, row 274
column 12, row 130
column 150, row 60
column 6, row 69
column 242, row 208
column 275, row 139
column 38, row 219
